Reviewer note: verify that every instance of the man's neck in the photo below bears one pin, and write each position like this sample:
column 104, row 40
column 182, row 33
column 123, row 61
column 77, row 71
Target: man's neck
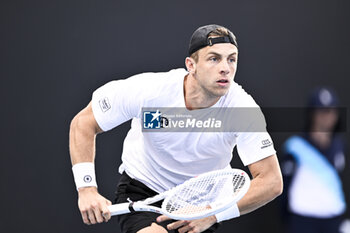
column 195, row 96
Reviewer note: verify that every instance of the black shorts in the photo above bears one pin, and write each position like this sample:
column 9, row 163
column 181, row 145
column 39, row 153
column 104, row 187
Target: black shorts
column 130, row 189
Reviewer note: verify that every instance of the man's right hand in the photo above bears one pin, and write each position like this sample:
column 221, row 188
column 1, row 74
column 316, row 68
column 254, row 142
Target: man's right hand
column 93, row 206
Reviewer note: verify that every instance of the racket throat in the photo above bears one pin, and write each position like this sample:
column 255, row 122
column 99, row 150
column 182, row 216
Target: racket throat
column 131, row 207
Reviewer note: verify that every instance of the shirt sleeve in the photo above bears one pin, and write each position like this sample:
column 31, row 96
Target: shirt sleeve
column 254, row 143
column 254, row 146
column 252, row 139
column 116, row 102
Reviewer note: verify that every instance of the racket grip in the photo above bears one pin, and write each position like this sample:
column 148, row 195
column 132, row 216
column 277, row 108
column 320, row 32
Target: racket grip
column 118, row 209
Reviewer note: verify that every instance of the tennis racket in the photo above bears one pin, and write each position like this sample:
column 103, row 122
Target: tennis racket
column 198, row 197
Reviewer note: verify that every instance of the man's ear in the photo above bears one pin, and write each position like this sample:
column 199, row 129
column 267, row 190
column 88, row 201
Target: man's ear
column 190, row 65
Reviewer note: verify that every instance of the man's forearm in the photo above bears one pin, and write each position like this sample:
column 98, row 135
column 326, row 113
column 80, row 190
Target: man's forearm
column 81, row 142
column 265, row 186
column 82, row 136
column 259, row 194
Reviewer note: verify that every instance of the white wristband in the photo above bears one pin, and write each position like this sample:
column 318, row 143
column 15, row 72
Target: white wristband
column 84, row 175
column 232, row 212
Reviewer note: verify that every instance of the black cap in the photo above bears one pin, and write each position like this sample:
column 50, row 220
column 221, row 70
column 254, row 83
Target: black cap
column 323, row 97
column 200, row 38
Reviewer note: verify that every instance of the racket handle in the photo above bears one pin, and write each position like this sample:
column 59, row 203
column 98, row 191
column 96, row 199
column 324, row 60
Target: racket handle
column 119, row 209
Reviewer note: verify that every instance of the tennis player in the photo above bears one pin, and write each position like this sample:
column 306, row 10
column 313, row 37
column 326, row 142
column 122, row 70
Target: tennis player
column 155, row 162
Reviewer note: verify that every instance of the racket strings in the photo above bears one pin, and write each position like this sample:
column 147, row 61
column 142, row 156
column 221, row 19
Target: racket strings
column 238, row 182
column 198, row 196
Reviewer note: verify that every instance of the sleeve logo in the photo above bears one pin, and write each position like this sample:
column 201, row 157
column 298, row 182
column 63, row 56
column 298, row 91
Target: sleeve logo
column 266, row 143
column 104, row 104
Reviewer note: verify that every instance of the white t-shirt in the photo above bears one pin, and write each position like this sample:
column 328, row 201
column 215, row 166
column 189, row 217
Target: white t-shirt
column 162, row 160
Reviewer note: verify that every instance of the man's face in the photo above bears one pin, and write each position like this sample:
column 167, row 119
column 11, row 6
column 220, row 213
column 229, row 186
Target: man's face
column 216, row 68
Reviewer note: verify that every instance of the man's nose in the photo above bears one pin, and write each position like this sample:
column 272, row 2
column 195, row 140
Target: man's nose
column 224, row 68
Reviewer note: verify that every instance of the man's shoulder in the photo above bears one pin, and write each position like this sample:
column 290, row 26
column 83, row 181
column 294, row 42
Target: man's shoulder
column 238, row 97
column 156, row 87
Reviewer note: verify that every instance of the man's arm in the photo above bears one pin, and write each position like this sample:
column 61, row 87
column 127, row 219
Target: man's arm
column 82, row 135
column 83, row 131
column 265, row 186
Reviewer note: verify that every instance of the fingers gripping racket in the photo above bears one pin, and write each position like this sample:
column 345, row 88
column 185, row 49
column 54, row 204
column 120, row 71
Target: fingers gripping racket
column 199, row 197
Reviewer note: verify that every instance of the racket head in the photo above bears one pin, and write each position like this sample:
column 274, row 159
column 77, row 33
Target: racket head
column 206, row 194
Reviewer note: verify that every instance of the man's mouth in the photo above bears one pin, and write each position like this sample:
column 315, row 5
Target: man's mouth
column 222, row 81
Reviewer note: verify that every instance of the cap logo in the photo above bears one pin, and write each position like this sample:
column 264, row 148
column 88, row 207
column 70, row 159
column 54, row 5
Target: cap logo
column 221, row 39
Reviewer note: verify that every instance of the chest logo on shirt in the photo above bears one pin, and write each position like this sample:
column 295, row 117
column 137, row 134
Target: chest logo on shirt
column 104, row 104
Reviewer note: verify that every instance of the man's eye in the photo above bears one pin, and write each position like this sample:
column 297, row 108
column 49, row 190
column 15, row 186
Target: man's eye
column 213, row 59
column 232, row 60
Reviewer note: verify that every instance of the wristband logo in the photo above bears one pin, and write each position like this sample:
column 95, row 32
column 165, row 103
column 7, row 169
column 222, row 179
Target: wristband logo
column 87, row 179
